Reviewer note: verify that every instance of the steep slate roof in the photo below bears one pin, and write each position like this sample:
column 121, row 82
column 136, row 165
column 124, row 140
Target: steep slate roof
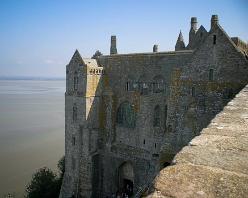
column 76, row 58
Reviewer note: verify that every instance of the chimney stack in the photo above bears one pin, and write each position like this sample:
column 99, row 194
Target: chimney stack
column 113, row 49
column 194, row 23
column 214, row 21
column 155, row 48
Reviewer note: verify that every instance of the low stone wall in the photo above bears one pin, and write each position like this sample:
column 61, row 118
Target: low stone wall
column 215, row 163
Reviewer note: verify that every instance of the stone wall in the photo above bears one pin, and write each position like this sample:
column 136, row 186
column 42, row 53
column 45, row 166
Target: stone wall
column 169, row 98
column 215, row 163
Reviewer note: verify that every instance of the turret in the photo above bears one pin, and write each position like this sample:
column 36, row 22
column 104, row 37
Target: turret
column 214, row 21
column 113, row 49
column 180, row 43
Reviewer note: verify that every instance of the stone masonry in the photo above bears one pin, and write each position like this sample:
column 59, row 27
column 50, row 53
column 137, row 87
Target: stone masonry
column 215, row 163
column 127, row 115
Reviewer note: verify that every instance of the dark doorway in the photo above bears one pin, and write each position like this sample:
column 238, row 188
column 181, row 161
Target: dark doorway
column 126, row 179
column 127, row 187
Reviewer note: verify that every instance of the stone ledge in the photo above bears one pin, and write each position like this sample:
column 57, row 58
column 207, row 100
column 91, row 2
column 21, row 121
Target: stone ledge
column 196, row 181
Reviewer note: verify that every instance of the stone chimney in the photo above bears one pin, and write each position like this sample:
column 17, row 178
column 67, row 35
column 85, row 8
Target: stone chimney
column 214, row 21
column 194, row 23
column 155, row 48
column 113, row 49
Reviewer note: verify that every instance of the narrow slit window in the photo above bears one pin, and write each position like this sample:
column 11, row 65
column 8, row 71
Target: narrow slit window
column 73, row 141
column 214, row 39
column 193, row 91
column 75, row 83
column 211, row 75
column 127, row 86
column 74, row 113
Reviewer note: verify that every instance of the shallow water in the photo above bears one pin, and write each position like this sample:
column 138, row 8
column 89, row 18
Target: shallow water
column 31, row 130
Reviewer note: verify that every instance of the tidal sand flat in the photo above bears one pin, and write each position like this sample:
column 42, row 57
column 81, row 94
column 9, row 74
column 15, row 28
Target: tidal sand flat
column 31, row 130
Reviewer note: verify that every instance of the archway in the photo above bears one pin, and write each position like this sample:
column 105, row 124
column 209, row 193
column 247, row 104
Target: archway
column 126, row 178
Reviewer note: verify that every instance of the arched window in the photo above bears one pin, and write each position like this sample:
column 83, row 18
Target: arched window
column 157, row 116
column 126, row 116
column 74, row 113
column 158, row 84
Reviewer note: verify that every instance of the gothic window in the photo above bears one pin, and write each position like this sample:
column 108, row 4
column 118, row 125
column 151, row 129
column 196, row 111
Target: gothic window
column 126, row 116
column 74, row 113
column 211, row 75
column 157, row 116
column 75, row 81
column 158, row 84
column 214, row 39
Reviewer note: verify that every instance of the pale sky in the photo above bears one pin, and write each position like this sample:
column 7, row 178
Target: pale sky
column 38, row 37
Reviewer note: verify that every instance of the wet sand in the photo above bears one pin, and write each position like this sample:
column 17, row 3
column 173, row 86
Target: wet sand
column 31, row 130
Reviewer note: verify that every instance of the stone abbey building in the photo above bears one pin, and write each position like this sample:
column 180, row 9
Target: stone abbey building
column 127, row 115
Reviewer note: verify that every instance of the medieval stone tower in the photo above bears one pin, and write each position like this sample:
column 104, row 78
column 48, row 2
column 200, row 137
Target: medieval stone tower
column 127, row 115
